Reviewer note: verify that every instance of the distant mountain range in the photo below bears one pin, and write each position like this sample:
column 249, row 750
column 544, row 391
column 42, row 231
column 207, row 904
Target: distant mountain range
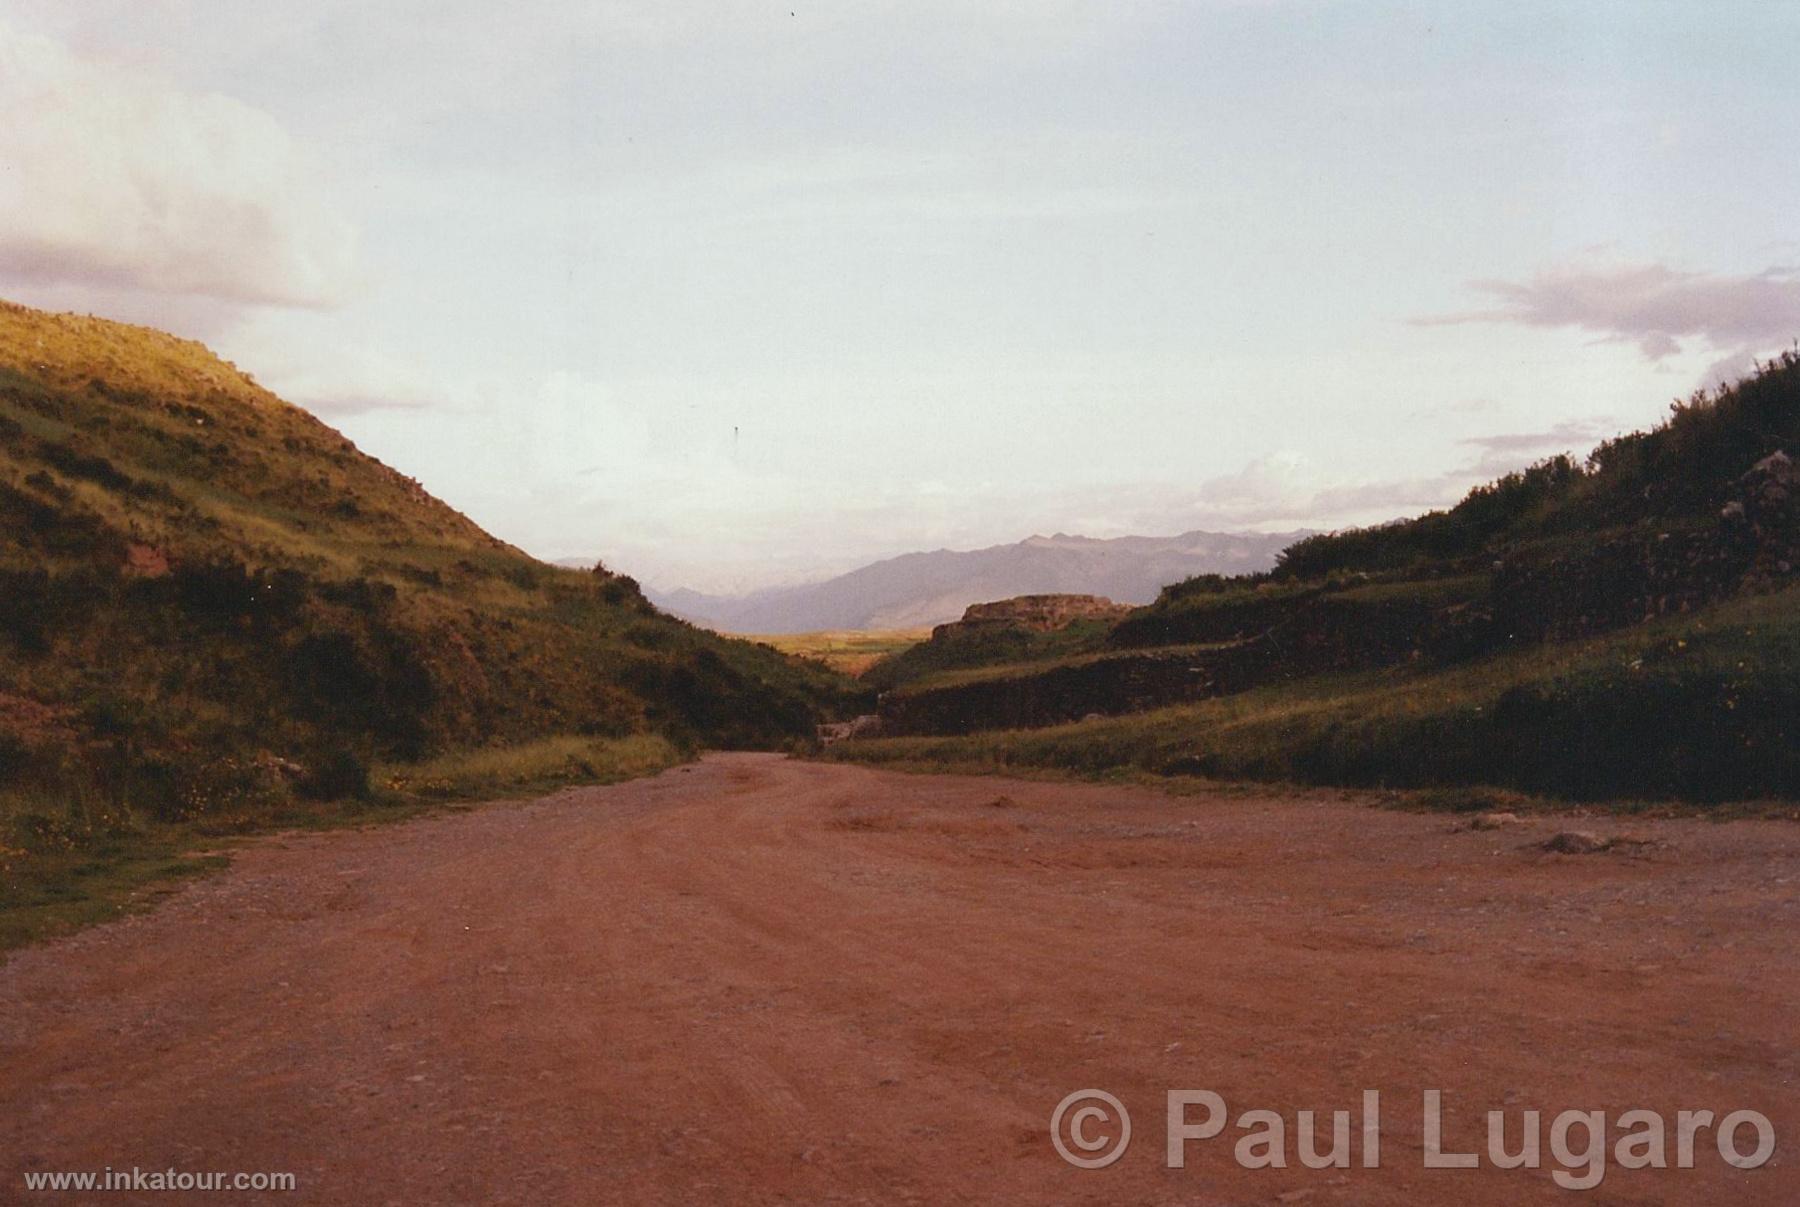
column 918, row 589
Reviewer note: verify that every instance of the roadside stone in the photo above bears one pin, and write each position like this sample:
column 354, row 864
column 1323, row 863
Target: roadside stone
column 1586, row 842
column 866, row 726
column 1575, row 842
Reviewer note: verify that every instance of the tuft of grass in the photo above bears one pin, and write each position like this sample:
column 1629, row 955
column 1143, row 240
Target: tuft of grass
column 69, row 860
column 66, row 891
column 529, row 766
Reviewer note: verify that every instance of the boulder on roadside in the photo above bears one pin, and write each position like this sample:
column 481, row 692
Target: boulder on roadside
column 1586, row 842
column 866, row 726
column 1575, row 842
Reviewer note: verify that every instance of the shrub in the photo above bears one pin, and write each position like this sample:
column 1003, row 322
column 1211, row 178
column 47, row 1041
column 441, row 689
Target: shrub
column 1684, row 466
column 612, row 713
column 218, row 590
column 61, row 531
column 335, row 774
column 93, row 468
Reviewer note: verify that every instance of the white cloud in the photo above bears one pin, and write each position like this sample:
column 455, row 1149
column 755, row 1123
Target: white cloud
column 1570, row 435
column 112, row 176
column 1730, row 367
column 351, row 380
column 1652, row 306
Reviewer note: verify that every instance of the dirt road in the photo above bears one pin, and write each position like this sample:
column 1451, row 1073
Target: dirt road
column 756, row 980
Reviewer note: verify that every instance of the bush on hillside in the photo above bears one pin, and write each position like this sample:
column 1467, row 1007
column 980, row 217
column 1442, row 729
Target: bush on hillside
column 1685, row 466
column 335, row 774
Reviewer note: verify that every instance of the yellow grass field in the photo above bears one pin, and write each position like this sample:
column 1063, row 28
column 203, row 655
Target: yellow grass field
column 851, row 651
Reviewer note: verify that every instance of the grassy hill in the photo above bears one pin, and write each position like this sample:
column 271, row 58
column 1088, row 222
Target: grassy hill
column 1627, row 626
column 213, row 605
column 958, row 653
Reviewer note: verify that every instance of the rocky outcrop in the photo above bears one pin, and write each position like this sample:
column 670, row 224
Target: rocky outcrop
column 1041, row 613
column 1765, row 516
column 1307, row 633
column 1752, row 544
column 1314, row 641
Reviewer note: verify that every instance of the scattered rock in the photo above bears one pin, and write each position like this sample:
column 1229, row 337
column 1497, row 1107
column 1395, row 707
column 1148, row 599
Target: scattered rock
column 1777, row 466
column 1586, row 842
column 866, row 726
column 1574, row 842
column 275, row 765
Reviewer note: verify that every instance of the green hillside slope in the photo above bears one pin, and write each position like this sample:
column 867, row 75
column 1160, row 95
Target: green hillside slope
column 211, row 601
column 1623, row 626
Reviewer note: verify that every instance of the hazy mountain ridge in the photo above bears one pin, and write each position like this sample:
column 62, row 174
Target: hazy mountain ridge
column 918, row 589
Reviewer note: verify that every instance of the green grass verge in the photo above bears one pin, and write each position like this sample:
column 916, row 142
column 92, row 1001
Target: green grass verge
column 963, row 676
column 981, row 647
column 529, row 767
column 68, row 863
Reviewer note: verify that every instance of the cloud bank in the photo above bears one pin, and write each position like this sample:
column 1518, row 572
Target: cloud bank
column 114, row 177
column 1653, row 306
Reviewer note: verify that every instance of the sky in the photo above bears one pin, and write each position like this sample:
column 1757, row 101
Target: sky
column 735, row 294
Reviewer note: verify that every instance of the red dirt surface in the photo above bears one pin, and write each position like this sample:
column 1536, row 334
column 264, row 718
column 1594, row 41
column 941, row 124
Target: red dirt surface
column 759, row 980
